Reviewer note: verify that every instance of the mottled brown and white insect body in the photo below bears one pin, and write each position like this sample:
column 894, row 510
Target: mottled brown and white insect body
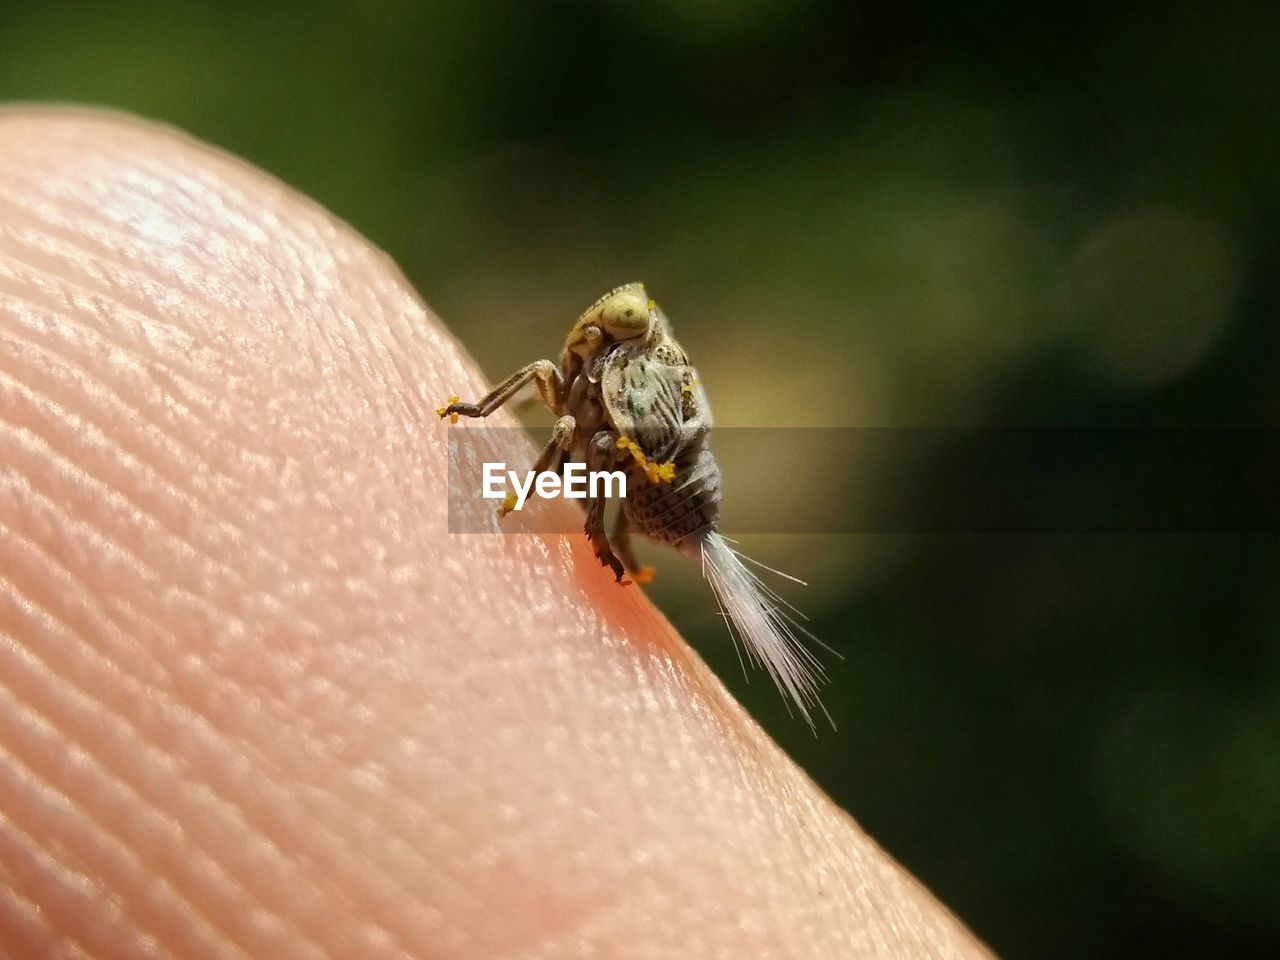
column 627, row 398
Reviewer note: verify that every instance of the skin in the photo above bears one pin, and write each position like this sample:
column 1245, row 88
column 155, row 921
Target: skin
column 257, row 701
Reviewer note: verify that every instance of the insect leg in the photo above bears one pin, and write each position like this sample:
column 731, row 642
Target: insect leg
column 543, row 372
column 561, row 440
column 622, row 531
column 553, row 453
column 601, row 455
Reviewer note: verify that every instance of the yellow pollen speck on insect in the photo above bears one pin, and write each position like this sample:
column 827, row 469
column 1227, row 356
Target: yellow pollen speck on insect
column 643, row 576
column 654, row 472
column 441, row 411
column 633, row 448
column 660, row 472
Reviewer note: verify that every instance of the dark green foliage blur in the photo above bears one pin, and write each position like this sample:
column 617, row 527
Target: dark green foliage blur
column 921, row 213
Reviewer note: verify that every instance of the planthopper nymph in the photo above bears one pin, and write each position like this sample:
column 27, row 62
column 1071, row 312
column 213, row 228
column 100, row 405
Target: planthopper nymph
column 628, row 399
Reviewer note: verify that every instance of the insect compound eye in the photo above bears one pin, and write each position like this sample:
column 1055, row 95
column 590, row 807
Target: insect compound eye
column 625, row 313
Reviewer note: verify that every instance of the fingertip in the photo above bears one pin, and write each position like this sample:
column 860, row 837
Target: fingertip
column 258, row 699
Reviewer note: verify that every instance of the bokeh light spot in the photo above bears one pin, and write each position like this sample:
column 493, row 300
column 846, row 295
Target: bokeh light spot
column 1190, row 783
column 1149, row 294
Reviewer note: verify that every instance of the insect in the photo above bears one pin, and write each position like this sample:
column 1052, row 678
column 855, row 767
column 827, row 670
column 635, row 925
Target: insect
column 627, row 398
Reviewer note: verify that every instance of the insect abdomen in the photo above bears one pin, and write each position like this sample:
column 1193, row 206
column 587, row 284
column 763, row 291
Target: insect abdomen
column 682, row 512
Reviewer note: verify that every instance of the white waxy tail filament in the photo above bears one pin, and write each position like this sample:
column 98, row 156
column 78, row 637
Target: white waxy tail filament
column 770, row 635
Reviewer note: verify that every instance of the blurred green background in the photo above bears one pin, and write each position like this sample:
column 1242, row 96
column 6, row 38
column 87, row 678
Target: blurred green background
column 924, row 213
